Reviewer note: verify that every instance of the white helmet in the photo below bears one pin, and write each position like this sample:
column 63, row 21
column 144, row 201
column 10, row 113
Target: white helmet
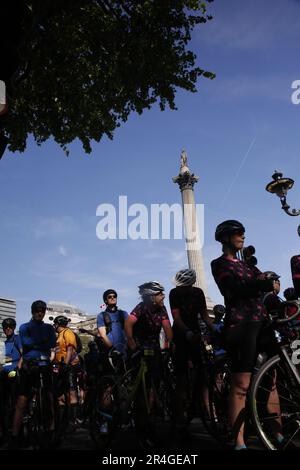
column 150, row 288
column 185, row 277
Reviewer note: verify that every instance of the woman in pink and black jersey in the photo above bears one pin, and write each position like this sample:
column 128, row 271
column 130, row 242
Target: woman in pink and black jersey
column 242, row 286
column 295, row 269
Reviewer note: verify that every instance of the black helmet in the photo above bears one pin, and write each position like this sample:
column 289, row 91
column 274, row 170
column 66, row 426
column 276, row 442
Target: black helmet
column 228, row 227
column 290, row 294
column 9, row 323
column 219, row 310
column 271, row 275
column 61, row 320
column 107, row 292
column 38, row 305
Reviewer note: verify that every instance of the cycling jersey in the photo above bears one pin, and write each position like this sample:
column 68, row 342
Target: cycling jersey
column 116, row 335
column 272, row 303
column 13, row 350
column 295, row 268
column 66, row 338
column 146, row 330
column 37, row 339
column 191, row 303
column 242, row 286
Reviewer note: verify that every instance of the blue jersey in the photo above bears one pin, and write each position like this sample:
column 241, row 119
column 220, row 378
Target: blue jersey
column 37, row 339
column 116, row 336
column 13, row 350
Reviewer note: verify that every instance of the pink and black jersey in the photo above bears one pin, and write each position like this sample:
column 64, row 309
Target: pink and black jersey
column 149, row 323
column 242, row 286
column 295, row 268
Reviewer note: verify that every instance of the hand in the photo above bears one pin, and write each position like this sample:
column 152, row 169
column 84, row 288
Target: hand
column 132, row 344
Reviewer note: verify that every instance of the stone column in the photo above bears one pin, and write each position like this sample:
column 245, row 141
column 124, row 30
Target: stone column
column 186, row 181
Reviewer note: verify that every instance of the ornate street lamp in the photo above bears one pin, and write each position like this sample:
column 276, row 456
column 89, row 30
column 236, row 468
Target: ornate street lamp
column 280, row 187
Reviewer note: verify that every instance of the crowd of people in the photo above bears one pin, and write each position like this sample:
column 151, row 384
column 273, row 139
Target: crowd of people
column 243, row 324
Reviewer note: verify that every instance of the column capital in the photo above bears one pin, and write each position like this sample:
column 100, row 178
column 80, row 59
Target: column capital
column 185, row 180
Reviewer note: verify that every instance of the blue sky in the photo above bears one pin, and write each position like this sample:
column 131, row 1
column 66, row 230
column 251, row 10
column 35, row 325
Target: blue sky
column 236, row 130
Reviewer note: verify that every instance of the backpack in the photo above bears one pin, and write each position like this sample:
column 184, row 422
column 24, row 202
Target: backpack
column 78, row 343
column 108, row 321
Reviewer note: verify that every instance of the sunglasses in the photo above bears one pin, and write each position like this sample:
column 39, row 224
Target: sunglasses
column 113, row 296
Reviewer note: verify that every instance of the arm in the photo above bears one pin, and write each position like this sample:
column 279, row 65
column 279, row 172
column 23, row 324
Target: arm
column 233, row 287
column 26, row 339
column 128, row 327
column 70, row 354
column 203, row 309
column 104, row 337
column 178, row 321
column 168, row 330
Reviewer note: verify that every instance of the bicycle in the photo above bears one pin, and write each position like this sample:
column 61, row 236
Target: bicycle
column 128, row 398
column 274, row 396
column 37, row 420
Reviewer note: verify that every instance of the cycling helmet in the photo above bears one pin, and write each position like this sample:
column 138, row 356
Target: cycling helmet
column 290, row 294
column 219, row 310
column 9, row 323
column 228, row 227
column 38, row 305
column 150, row 288
column 107, row 292
column 61, row 320
column 185, row 277
column 271, row 275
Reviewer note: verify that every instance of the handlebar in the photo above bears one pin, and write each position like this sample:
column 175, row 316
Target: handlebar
column 283, row 310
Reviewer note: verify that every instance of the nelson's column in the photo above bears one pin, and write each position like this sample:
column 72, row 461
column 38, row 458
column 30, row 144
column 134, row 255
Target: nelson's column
column 186, row 181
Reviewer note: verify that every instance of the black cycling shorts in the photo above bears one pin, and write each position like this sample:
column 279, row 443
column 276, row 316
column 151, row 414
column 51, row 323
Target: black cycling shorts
column 245, row 341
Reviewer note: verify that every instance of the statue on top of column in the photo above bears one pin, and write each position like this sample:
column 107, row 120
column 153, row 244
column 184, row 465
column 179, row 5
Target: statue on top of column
column 183, row 159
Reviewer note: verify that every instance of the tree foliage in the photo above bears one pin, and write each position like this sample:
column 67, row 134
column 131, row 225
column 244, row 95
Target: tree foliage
column 84, row 66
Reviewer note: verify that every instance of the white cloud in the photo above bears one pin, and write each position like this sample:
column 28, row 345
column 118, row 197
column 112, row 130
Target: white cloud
column 62, row 251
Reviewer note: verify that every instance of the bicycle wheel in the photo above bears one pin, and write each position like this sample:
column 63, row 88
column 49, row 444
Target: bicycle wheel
column 101, row 416
column 214, row 410
column 275, row 406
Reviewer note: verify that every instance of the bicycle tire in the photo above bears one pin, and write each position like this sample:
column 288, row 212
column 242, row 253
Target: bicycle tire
column 287, row 419
column 215, row 418
column 98, row 417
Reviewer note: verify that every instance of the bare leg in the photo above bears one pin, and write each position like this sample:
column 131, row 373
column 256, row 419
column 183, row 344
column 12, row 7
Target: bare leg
column 237, row 400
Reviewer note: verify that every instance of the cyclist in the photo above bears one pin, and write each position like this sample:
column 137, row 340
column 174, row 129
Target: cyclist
column 110, row 323
column 271, row 299
column 189, row 311
column 219, row 313
column 242, row 286
column 217, row 326
column 142, row 328
column 37, row 339
column 295, row 268
column 12, row 361
column 67, row 358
